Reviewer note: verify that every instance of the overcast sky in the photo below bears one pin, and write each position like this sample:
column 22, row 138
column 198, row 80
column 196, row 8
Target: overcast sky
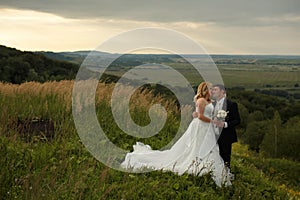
column 220, row 26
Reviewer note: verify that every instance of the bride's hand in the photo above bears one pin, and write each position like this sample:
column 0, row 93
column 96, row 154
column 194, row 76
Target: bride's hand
column 219, row 123
column 214, row 121
column 195, row 114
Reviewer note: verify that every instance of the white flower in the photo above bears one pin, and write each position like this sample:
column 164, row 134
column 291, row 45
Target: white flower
column 221, row 115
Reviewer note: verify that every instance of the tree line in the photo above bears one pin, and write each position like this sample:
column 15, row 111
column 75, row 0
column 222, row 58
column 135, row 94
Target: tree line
column 270, row 125
column 18, row 67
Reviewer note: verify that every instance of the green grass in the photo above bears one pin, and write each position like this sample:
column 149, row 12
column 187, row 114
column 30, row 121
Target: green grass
column 64, row 169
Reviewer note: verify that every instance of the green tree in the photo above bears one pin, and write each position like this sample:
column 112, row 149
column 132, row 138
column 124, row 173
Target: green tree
column 255, row 133
column 244, row 113
column 290, row 139
column 5, row 73
column 257, row 115
column 32, row 75
column 269, row 145
column 21, row 70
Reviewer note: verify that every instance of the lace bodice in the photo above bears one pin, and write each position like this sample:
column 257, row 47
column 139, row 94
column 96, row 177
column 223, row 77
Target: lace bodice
column 208, row 110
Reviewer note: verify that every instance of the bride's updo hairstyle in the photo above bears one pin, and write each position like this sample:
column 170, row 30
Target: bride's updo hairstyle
column 202, row 91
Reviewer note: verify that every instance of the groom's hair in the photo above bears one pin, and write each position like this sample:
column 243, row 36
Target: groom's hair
column 220, row 86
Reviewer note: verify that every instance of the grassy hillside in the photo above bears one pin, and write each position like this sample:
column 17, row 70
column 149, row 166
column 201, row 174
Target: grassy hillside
column 63, row 169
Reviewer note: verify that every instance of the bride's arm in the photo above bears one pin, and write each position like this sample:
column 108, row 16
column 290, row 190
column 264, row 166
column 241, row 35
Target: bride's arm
column 201, row 103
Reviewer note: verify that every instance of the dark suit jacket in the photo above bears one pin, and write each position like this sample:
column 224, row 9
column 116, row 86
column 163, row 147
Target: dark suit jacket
column 228, row 135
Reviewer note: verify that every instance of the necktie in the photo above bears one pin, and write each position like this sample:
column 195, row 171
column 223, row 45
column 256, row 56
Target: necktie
column 219, row 105
column 217, row 108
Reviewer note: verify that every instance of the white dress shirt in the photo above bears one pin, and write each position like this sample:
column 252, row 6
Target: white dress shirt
column 219, row 106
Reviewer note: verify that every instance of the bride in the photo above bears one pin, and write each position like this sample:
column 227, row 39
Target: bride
column 196, row 152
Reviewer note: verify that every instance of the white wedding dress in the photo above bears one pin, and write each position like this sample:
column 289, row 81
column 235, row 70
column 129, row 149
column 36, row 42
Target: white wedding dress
column 196, row 152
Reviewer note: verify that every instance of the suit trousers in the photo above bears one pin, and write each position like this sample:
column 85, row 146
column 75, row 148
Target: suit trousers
column 225, row 151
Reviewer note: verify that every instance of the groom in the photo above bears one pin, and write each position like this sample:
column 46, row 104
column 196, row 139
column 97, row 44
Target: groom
column 227, row 127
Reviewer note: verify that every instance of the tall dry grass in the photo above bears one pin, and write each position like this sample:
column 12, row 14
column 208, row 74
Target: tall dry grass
column 63, row 90
column 54, row 100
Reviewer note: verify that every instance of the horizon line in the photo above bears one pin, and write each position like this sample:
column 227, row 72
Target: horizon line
column 213, row 54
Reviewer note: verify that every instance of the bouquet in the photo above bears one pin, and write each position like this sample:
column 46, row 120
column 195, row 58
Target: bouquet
column 221, row 115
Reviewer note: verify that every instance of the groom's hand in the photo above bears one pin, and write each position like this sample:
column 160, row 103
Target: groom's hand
column 220, row 124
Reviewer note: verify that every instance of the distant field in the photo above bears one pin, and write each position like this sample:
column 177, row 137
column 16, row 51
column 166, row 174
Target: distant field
column 248, row 71
column 258, row 79
column 249, row 76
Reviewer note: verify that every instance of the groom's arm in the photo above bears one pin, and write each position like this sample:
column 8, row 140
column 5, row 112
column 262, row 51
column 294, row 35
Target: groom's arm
column 234, row 118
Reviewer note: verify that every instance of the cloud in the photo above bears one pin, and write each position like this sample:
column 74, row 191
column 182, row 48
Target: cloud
column 285, row 20
column 230, row 12
column 32, row 30
column 236, row 26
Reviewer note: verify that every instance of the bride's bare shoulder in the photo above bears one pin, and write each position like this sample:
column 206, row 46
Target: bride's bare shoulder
column 201, row 101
